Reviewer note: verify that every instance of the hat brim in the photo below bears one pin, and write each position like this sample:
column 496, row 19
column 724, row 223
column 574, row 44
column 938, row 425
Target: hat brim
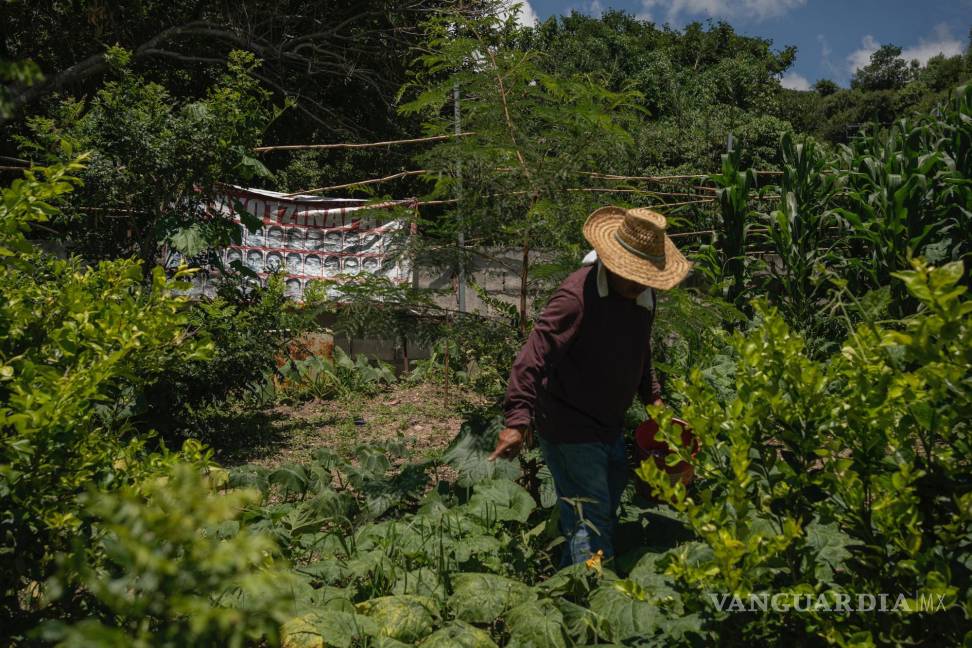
column 599, row 230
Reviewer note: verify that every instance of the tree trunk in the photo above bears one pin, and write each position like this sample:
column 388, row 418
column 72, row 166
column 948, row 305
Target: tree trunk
column 404, row 356
column 446, row 369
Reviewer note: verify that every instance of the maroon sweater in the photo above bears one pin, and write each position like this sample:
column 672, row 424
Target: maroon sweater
column 582, row 365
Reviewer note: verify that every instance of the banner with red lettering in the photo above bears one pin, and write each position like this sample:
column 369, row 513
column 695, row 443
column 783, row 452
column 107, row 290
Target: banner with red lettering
column 310, row 237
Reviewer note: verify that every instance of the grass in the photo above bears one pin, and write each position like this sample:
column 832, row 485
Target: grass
column 424, row 418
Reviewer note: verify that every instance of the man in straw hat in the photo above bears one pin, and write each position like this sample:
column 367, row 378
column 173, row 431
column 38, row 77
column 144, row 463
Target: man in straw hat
column 587, row 357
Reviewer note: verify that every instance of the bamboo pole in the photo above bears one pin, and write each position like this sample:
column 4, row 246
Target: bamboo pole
column 394, row 176
column 362, row 145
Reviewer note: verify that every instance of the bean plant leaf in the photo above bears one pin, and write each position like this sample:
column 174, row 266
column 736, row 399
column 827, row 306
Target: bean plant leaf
column 322, row 628
column 458, row 635
column 422, row 582
column 500, row 500
column 538, row 624
column 406, row 618
column 482, row 598
column 629, row 617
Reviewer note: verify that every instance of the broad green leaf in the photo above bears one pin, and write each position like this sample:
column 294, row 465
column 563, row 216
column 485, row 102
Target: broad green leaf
column 582, row 624
column 189, row 241
column 830, row 546
column 422, row 581
column 628, row 616
column 539, row 624
column 458, row 635
column 329, row 570
column 677, row 627
column 325, row 628
column 478, row 545
column 292, row 479
column 500, row 501
column 482, row 598
column 406, row 618
column 649, row 577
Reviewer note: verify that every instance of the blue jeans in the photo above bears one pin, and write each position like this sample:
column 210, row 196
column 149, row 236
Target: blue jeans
column 594, row 471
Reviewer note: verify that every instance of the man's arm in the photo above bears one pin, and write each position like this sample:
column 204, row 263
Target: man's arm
column 547, row 341
column 650, row 389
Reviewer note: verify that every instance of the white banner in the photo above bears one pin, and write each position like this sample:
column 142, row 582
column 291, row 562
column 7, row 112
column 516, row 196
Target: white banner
column 313, row 238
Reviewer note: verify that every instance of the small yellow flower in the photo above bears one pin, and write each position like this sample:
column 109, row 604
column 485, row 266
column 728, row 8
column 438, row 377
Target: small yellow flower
column 594, row 562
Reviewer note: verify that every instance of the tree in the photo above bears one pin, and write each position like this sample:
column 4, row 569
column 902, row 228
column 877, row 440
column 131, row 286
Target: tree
column 155, row 161
column 532, row 135
column 331, row 55
column 886, row 71
column 825, row 87
column 70, row 336
column 697, row 84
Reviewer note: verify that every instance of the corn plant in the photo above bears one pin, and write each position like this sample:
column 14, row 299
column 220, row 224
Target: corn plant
column 803, row 233
column 734, row 186
column 909, row 193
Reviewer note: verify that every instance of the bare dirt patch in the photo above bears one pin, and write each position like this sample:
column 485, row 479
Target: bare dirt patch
column 423, row 418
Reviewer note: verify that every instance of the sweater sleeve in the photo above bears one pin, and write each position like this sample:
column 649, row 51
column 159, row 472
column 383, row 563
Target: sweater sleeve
column 650, row 389
column 546, row 343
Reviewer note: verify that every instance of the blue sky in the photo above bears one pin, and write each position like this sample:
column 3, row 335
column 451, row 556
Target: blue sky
column 833, row 37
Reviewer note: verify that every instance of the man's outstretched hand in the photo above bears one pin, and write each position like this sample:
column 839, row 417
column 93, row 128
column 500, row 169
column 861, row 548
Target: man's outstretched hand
column 509, row 443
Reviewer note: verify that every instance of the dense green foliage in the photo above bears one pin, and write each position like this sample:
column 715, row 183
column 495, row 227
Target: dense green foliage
column 72, row 336
column 822, row 354
column 697, row 85
column 887, row 88
column 155, row 162
column 204, row 398
column 836, row 478
column 531, row 135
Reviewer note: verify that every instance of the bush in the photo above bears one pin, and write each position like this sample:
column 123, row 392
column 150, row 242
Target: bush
column 70, row 339
column 170, row 566
column 836, row 479
column 205, row 397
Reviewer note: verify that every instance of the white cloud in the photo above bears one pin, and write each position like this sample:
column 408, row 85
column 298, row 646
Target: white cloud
column 941, row 42
column 756, row 9
column 795, row 81
column 825, row 52
column 862, row 56
column 526, row 17
column 944, row 43
column 595, row 8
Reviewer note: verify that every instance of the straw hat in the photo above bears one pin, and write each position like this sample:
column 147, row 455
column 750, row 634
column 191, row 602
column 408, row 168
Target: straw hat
column 632, row 243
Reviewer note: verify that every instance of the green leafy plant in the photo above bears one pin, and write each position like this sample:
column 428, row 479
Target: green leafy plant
column 804, row 234
column 734, row 186
column 908, row 191
column 530, row 135
column 155, row 161
column 171, row 566
column 71, row 336
column 839, row 478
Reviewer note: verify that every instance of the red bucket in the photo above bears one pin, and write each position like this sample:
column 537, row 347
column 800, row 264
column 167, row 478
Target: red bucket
column 647, row 446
